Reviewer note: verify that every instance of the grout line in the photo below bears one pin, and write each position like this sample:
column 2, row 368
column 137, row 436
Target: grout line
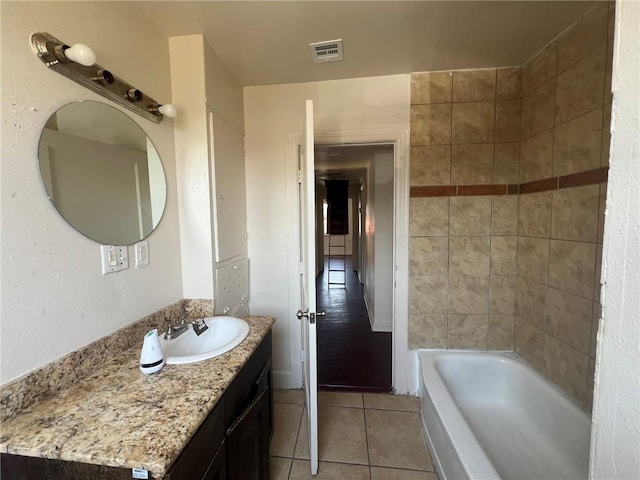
column 366, row 438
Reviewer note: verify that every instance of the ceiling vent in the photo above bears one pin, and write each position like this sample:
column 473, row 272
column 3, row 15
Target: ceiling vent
column 324, row 52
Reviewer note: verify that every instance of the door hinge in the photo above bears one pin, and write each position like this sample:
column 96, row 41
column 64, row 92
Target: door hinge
column 300, row 268
column 301, row 356
column 299, row 176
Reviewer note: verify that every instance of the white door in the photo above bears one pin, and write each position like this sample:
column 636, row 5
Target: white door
column 307, row 312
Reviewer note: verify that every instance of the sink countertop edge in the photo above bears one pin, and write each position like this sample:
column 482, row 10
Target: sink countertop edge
column 121, row 418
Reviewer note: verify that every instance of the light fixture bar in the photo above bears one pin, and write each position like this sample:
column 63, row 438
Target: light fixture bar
column 51, row 51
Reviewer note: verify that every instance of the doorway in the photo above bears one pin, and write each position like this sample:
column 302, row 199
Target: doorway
column 354, row 284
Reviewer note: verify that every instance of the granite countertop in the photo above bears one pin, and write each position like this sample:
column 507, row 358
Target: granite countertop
column 119, row 417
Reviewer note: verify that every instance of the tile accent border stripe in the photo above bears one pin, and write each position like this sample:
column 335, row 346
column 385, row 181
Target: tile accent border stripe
column 39, row 384
column 590, row 177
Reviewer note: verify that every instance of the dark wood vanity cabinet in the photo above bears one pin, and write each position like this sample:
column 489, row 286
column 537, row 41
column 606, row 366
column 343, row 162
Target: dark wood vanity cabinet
column 231, row 444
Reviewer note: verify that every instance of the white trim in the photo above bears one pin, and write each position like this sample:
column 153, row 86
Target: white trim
column 405, row 376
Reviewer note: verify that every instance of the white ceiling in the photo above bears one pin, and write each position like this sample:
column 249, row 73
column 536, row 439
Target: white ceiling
column 266, row 42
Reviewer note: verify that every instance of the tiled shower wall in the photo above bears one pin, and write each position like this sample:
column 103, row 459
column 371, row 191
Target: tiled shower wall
column 490, row 269
column 565, row 131
column 465, row 133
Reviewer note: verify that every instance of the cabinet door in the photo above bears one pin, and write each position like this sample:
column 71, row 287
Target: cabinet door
column 217, row 469
column 248, row 441
column 229, row 186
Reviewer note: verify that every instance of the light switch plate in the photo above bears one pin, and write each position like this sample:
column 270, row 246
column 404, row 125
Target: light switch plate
column 141, row 254
column 114, row 258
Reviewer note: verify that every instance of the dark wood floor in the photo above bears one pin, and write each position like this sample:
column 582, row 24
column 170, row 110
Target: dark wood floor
column 350, row 355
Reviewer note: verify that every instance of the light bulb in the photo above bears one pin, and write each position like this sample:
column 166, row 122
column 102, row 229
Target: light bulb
column 80, row 53
column 168, row 110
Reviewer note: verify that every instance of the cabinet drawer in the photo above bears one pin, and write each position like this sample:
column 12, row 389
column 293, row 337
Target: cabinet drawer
column 196, row 457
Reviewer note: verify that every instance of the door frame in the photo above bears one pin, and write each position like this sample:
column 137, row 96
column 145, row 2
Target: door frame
column 405, row 367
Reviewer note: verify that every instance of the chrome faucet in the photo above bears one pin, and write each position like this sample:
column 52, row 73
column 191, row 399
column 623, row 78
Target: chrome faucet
column 175, row 330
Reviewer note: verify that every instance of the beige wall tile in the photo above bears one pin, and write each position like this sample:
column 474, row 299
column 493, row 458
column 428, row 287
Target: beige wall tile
column 429, row 217
column 430, row 87
column 534, row 214
column 540, row 69
column 428, row 256
column 474, row 85
column 431, row 124
column 504, row 215
column 531, row 300
column 508, row 116
column 468, row 295
column 567, row 368
column 506, row 163
column 606, row 136
column 470, row 216
column 608, row 72
column 583, row 37
column 611, row 19
column 577, row 144
column 468, row 332
column 502, row 295
column 536, row 157
column 427, row 331
column 580, row 87
column 537, row 110
column 472, row 164
column 509, row 83
column 574, row 214
column 528, row 342
column 473, row 122
column 430, row 165
column 533, row 258
column 503, row 255
column 572, row 267
column 428, row 295
column 500, row 332
column 469, row 256
column 569, row 318
column 602, row 205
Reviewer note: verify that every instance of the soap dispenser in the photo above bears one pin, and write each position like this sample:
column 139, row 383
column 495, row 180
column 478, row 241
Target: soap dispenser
column 152, row 356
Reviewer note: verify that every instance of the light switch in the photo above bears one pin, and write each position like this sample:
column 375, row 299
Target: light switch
column 141, row 254
column 114, row 258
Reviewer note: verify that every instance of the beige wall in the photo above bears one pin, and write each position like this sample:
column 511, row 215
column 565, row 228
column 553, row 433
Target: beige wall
column 465, row 130
column 475, row 261
column 565, row 130
column 54, row 296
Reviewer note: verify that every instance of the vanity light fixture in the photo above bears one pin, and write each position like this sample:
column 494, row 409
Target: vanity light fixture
column 78, row 63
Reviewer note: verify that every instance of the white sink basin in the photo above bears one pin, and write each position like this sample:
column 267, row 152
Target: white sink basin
column 223, row 334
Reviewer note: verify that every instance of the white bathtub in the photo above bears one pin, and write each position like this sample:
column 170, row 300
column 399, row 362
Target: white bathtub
column 489, row 415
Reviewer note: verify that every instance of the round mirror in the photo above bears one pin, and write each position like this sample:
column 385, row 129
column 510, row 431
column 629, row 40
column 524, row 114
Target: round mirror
column 102, row 173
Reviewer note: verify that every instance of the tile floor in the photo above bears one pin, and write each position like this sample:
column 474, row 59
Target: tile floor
column 368, row 436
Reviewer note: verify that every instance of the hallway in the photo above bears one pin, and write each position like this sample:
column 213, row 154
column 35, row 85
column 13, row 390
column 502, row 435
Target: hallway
column 350, row 355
